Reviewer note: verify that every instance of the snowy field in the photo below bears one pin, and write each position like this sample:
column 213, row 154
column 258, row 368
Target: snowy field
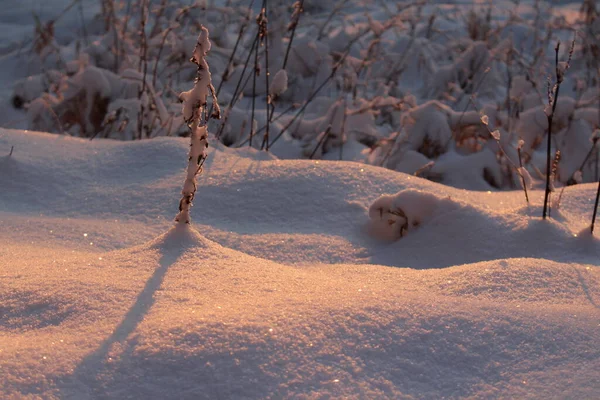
column 324, row 268
column 278, row 289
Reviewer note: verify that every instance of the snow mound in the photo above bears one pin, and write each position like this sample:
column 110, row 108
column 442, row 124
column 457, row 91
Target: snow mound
column 523, row 280
column 179, row 238
column 407, row 210
column 295, row 211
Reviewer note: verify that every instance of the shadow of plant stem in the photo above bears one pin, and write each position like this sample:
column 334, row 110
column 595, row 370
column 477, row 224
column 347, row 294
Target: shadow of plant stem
column 585, row 288
column 88, row 372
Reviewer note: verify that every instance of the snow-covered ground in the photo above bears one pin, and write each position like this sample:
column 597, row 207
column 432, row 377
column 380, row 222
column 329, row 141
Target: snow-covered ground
column 300, row 278
column 281, row 287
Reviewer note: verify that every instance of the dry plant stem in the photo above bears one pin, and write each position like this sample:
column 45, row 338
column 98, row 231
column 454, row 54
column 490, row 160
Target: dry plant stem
column 111, row 22
column 549, row 148
column 66, row 9
column 225, row 75
column 598, row 191
column 322, row 85
column 589, row 154
column 182, row 13
column 58, row 122
column 391, row 148
column 256, row 72
column 143, row 65
column 237, row 90
column 157, row 17
column 83, row 28
column 325, row 135
column 398, row 68
column 595, row 208
column 308, row 101
column 121, row 52
column 295, row 25
column 597, row 166
column 504, row 153
column 464, row 111
column 262, row 128
column 343, row 132
column 334, row 12
column 265, row 143
column 553, row 174
column 522, row 177
column 363, row 64
column 597, row 155
column 509, row 86
column 160, row 49
column 243, row 26
column 321, row 141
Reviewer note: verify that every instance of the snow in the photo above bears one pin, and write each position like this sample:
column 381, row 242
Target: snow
column 383, row 248
column 279, row 288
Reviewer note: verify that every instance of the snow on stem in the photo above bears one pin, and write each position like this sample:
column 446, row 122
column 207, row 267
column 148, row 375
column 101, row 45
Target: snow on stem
column 194, row 114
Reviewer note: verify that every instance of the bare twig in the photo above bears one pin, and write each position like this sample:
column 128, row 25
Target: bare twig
column 237, row 90
column 299, row 8
column 522, row 177
column 321, row 141
column 264, row 25
column 560, row 71
column 343, row 132
column 595, row 208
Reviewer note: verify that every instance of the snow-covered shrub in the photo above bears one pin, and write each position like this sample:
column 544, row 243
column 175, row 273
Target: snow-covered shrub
column 320, row 135
column 28, row 89
column 465, row 74
column 406, row 79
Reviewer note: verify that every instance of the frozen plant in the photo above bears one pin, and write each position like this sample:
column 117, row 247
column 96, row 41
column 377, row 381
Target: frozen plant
column 195, row 116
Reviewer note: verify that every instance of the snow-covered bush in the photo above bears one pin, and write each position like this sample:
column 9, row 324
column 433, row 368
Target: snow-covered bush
column 400, row 88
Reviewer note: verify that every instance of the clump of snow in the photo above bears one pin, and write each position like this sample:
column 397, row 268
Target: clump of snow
column 195, row 99
column 406, row 210
column 279, row 84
